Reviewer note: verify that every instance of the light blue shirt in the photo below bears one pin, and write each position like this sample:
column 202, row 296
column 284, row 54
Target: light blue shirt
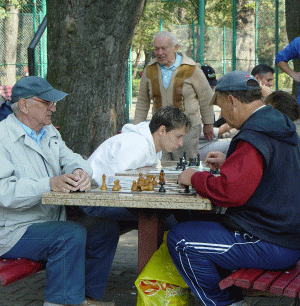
column 167, row 72
column 33, row 135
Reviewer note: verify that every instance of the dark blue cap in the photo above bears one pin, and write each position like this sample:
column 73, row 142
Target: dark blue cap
column 33, row 86
column 236, row 81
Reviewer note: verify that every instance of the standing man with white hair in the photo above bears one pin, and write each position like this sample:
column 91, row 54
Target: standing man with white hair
column 172, row 78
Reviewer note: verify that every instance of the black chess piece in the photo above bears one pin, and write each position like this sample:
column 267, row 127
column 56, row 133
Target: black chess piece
column 198, row 160
column 217, row 171
column 184, row 155
column 179, row 165
column 162, row 188
column 187, row 189
column 183, row 166
column 191, row 163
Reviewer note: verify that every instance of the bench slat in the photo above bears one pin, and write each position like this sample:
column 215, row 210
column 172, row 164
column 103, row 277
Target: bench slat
column 264, row 282
column 247, row 278
column 230, row 280
column 293, row 288
column 284, row 279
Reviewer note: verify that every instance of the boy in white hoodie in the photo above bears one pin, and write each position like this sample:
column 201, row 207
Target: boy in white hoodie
column 137, row 146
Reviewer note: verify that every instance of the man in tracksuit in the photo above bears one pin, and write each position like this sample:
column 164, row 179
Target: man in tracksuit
column 259, row 182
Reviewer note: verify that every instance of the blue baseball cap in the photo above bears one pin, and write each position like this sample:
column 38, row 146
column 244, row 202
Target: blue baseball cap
column 236, row 81
column 33, row 86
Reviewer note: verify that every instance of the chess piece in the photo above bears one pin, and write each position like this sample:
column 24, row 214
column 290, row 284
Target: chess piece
column 141, row 180
column 162, row 188
column 116, row 186
column 103, row 186
column 149, row 187
column 179, row 165
column 134, row 186
column 162, row 177
column 148, row 179
column 154, row 182
column 217, row 171
column 187, row 189
column 192, row 162
column 198, row 160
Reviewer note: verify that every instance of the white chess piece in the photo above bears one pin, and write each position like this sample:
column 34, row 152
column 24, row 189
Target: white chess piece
column 200, row 168
column 158, row 165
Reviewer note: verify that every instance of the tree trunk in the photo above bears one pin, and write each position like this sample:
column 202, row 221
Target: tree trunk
column 88, row 49
column 245, row 42
column 10, row 49
column 292, row 13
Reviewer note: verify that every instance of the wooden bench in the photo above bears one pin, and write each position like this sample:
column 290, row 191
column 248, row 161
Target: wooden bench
column 12, row 270
column 275, row 282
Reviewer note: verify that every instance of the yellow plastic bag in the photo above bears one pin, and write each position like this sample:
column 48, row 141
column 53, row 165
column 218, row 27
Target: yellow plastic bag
column 160, row 283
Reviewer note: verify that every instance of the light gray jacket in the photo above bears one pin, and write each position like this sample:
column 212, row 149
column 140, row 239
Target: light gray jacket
column 25, row 171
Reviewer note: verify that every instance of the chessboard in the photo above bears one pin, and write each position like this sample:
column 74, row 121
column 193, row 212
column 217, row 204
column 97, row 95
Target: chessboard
column 171, row 187
column 170, row 169
column 175, row 170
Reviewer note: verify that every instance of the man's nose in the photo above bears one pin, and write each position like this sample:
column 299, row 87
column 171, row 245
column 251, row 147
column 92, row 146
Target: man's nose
column 53, row 108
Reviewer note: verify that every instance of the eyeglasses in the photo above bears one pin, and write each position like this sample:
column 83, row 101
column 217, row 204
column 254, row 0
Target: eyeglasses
column 48, row 103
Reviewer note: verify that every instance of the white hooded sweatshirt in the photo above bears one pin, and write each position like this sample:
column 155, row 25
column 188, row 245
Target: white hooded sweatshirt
column 132, row 149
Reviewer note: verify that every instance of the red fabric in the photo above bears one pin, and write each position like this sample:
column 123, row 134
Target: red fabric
column 240, row 175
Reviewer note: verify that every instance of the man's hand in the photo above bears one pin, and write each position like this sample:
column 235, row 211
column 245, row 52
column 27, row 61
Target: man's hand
column 265, row 90
column 83, row 180
column 208, row 131
column 78, row 180
column 184, row 178
column 214, row 160
column 64, row 183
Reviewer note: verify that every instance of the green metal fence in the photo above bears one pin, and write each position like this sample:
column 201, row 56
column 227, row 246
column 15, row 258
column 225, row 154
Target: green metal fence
column 29, row 17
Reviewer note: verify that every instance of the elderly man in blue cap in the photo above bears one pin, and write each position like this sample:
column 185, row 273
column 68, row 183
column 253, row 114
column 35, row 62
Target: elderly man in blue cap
column 259, row 182
column 34, row 160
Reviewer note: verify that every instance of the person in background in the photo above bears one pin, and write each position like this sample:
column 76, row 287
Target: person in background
column 286, row 104
column 264, row 75
column 5, row 108
column 216, row 144
column 172, row 78
column 291, row 51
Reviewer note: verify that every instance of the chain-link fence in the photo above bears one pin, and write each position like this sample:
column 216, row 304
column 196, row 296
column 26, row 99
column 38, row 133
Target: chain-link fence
column 17, row 28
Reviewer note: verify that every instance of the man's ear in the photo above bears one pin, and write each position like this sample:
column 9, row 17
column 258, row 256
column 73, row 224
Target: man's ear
column 22, row 103
column 176, row 47
column 232, row 101
column 162, row 130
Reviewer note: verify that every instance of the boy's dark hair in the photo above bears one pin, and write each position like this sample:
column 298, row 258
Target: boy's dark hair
column 171, row 117
column 285, row 103
column 262, row 69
